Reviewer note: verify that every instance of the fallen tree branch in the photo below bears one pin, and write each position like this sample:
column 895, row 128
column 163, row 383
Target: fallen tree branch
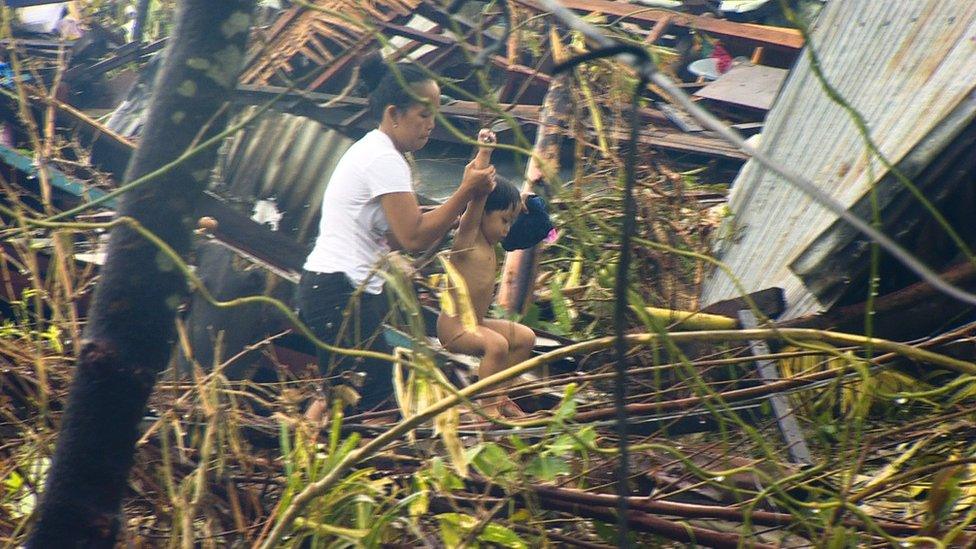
column 319, row 487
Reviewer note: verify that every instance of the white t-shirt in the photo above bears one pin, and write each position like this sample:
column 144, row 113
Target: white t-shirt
column 352, row 231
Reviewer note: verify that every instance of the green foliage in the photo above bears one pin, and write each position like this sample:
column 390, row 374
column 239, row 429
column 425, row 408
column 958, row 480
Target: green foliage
column 22, row 325
column 357, row 511
column 455, row 530
column 21, row 486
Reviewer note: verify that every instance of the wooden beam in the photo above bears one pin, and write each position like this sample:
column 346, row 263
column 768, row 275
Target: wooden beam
column 344, row 110
column 443, row 40
column 122, row 55
column 659, row 29
column 902, row 314
column 770, row 302
column 754, row 35
column 789, row 427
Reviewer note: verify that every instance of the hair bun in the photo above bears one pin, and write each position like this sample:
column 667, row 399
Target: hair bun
column 372, row 70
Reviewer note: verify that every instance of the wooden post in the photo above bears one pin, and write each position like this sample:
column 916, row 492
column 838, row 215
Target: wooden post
column 518, row 274
column 796, row 445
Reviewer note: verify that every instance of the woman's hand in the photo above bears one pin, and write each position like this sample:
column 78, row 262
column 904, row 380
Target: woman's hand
column 477, row 181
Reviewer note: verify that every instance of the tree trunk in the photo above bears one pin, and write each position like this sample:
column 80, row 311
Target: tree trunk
column 142, row 13
column 131, row 328
column 518, row 274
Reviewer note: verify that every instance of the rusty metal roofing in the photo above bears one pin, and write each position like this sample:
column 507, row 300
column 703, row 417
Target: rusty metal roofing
column 328, row 34
column 909, row 66
column 288, row 158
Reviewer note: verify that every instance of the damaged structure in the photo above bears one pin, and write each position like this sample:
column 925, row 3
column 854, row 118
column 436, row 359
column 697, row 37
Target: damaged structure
column 912, row 79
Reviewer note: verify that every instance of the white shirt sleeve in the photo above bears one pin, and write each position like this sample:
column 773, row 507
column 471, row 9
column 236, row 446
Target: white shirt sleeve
column 387, row 173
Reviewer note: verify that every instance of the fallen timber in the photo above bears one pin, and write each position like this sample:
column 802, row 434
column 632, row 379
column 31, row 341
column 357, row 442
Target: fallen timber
column 754, row 35
column 469, row 116
column 684, row 510
column 237, row 228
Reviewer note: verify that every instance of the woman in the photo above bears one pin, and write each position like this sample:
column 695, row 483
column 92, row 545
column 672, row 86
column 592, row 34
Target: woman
column 369, row 207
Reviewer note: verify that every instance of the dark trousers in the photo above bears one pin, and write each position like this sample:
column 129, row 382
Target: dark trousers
column 324, row 305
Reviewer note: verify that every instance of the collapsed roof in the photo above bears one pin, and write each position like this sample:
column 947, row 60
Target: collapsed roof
column 918, row 104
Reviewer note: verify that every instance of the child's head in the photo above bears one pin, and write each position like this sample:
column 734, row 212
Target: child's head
column 501, row 208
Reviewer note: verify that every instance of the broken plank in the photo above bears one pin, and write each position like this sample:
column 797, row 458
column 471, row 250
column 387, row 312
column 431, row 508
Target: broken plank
column 796, row 445
column 770, row 302
column 753, row 86
column 753, row 35
column 122, row 55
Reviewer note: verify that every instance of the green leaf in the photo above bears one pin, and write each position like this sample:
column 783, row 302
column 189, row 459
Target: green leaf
column 13, row 482
column 560, row 308
column 443, row 477
column 586, row 438
column 547, row 468
column 496, row 533
column 420, row 504
column 491, row 460
column 454, row 526
column 520, row 445
column 331, row 530
column 531, row 317
column 567, row 408
column 840, row 538
column 563, row 445
column 605, row 531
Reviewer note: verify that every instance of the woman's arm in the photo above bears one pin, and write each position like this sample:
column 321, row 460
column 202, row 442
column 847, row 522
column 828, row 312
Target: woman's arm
column 415, row 231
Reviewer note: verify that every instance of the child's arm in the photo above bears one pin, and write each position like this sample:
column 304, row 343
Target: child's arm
column 483, row 156
column 470, row 223
column 467, row 231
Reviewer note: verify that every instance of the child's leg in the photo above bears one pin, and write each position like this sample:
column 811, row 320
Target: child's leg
column 491, row 346
column 521, row 339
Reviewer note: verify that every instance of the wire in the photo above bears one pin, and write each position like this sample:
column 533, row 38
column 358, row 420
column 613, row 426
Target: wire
column 611, row 49
column 608, row 51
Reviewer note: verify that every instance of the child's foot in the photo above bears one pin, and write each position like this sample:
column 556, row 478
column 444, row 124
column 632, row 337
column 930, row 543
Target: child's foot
column 316, row 411
column 512, row 410
column 504, row 408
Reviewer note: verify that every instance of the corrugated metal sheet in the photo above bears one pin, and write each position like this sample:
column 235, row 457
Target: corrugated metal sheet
column 905, row 65
column 288, row 158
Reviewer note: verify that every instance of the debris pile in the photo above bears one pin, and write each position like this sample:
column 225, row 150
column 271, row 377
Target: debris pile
column 740, row 430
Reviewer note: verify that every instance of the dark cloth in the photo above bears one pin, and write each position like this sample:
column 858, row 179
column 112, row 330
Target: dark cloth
column 530, row 227
column 322, row 298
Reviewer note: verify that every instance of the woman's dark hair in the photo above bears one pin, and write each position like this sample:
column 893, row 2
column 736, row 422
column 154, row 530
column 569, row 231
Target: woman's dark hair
column 384, row 87
column 503, row 197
